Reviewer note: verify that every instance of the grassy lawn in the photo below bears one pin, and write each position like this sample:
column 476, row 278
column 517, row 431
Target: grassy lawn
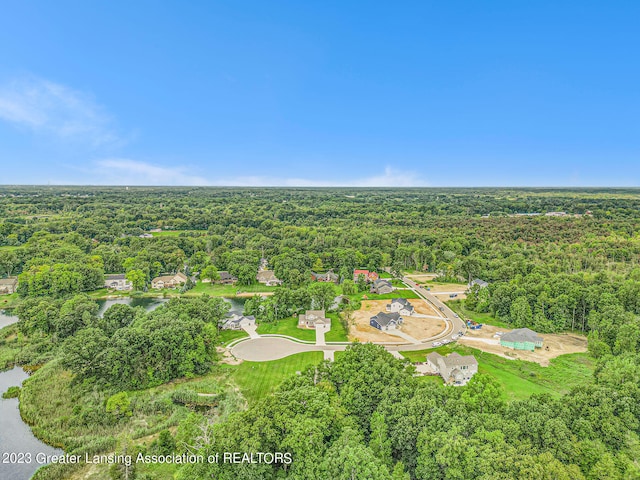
column 520, row 379
column 227, row 335
column 9, row 301
column 175, row 233
column 218, row 290
column 337, row 332
column 287, row 326
column 257, row 379
column 486, row 318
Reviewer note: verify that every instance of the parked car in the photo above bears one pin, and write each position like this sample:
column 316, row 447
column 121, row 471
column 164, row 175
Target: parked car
column 456, row 315
column 437, row 344
column 446, row 340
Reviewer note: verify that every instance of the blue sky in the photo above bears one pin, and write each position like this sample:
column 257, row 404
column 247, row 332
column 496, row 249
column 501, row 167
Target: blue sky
column 464, row 93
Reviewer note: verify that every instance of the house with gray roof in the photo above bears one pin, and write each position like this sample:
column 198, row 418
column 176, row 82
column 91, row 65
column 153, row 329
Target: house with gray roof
column 325, row 277
column 455, row 369
column 313, row 319
column 236, row 322
column 479, row 282
column 386, row 321
column 226, row 278
column 400, row 305
column 381, row 287
column 521, row 339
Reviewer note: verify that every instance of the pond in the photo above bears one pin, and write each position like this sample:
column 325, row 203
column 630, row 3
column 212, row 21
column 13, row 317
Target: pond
column 148, row 304
column 15, row 435
column 7, row 318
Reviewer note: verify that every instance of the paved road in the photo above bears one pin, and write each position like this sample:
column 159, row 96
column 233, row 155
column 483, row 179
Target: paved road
column 260, row 349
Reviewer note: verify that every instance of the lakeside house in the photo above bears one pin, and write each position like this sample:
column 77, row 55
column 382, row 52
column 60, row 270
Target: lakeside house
column 386, row 321
column 313, row 319
column 521, row 339
column 226, row 278
column 169, row 281
column 369, row 276
column 381, row 287
column 117, row 281
column 268, row 278
column 237, row 322
column 401, row 305
column 455, row 369
column 8, row 285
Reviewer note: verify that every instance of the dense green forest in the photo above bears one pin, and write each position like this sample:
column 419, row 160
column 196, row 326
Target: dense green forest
column 555, row 260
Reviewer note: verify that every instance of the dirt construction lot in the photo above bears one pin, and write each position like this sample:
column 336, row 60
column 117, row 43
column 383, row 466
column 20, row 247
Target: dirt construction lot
column 553, row 345
column 419, row 328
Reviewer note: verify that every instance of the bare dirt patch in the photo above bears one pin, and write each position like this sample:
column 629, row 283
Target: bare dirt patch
column 419, row 328
column 227, row 357
column 554, row 345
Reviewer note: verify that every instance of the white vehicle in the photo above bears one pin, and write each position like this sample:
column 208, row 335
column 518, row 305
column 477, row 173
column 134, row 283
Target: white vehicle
column 455, row 337
column 445, row 341
column 437, row 344
column 456, row 315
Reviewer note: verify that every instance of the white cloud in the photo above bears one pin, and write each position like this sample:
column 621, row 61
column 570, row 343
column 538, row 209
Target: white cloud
column 47, row 107
column 122, row 171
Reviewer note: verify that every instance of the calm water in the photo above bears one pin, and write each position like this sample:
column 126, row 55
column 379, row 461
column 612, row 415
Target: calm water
column 15, row 435
column 6, row 318
column 148, row 303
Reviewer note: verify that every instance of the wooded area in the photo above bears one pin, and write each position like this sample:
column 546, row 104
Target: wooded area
column 555, row 261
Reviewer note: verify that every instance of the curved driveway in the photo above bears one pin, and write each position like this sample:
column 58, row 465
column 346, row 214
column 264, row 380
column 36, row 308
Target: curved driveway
column 263, row 349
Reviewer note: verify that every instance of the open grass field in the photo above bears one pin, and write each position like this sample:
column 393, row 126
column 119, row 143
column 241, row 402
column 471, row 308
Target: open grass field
column 257, row 379
column 289, row 326
column 218, row 290
column 520, row 379
column 9, row 301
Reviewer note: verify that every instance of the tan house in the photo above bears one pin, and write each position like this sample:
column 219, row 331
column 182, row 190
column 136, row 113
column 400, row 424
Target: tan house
column 313, row 319
column 454, row 369
column 8, row 285
column 268, row 278
column 169, row 281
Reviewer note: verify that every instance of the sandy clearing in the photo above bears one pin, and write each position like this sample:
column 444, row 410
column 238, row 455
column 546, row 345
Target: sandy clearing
column 554, row 345
column 419, row 328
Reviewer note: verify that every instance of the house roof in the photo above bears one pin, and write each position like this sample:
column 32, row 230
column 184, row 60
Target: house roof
column 9, row 281
column 115, row 276
column 315, row 316
column 455, row 359
column 402, row 301
column 380, row 282
column 479, row 282
column 169, row 278
column 329, row 276
column 226, row 276
column 452, row 360
column 522, row 335
column 383, row 319
column 433, row 357
column 266, row 275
